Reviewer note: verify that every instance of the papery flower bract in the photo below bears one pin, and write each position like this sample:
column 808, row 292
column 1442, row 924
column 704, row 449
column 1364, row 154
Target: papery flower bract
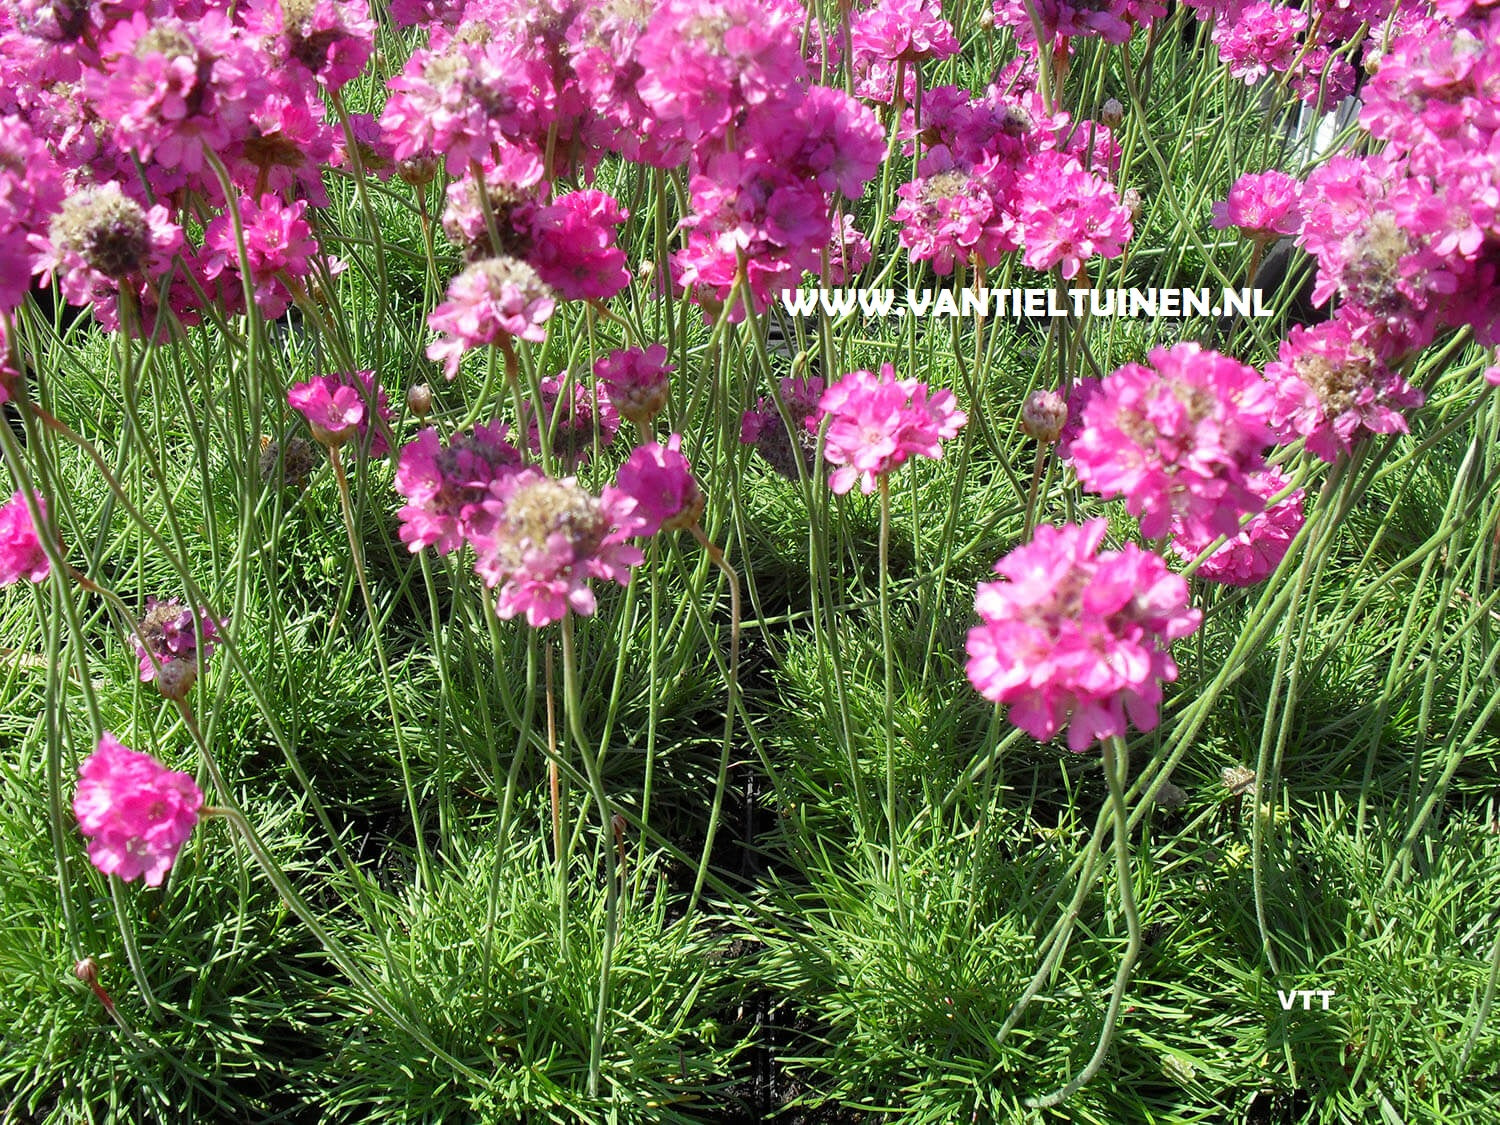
column 1255, row 553
column 21, row 554
column 544, row 539
column 335, row 408
column 445, row 486
column 136, row 812
column 1078, row 638
column 1177, row 439
column 658, row 481
column 493, row 300
column 877, row 421
column 636, row 381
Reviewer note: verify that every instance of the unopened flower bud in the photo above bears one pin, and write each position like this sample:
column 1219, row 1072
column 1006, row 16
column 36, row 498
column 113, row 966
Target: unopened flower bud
column 1133, row 202
column 175, row 678
column 987, row 18
column 87, row 970
column 644, row 271
column 419, row 399
column 1043, row 416
column 1112, row 113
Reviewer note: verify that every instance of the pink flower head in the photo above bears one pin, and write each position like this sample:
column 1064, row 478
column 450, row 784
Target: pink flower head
column 335, row 407
column 545, row 538
column 1255, row 553
column 329, row 39
column 877, row 422
column 782, row 448
column 21, row 554
column 656, row 482
column 956, row 215
column 1178, row 440
column 1263, row 38
column 1264, row 206
column 636, row 381
column 1332, row 389
column 575, row 248
column 908, row 31
column 1065, row 19
column 1076, row 638
column 136, row 812
column 1067, row 215
column 31, row 190
column 166, row 636
column 278, row 247
column 446, row 487
column 494, row 300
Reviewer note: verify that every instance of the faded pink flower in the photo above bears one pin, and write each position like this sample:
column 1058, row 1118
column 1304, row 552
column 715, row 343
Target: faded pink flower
column 21, row 554
column 1076, row 638
column 764, row 428
column 573, row 422
column 544, row 539
column 636, row 381
column 446, row 487
column 1178, row 439
column 136, row 812
column 658, row 484
column 330, row 39
column 493, row 300
column 1256, row 552
column 877, row 422
column 170, row 638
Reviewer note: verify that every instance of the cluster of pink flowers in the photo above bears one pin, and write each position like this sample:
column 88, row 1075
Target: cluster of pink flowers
column 891, row 32
column 635, row 381
column 21, row 553
column 576, row 418
column 1062, row 20
column 784, row 443
column 1264, row 37
column 279, row 247
column 1078, row 638
column 337, row 408
column 877, row 422
column 493, row 301
column 999, row 174
column 1178, row 439
column 136, row 813
column 539, row 539
column 1254, row 554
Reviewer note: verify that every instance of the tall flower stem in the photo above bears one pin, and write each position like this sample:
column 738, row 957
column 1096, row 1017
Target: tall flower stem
column 890, row 674
column 346, row 505
column 1115, row 769
column 573, row 705
column 716, row 556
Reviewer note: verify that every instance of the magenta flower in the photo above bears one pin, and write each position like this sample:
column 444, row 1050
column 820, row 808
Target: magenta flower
column 1255, row 553
column 763, row 427
column 328, row 39
column 575, row 248
column 956, row 215
column 136, row 812
column 877, row 422
column 21, row 554
column 1076, row 638
column 657, row 484
column 544, row 539
column 335, row 408
column 1067, row 215
column 1264, row 37
column 636, row 381
column 447, row 487
column 1264, row 206
column 1178, row 440
column 493, row 300
column 908, row 31
column 278, row 247
column 31, row 189
column 1332, row 389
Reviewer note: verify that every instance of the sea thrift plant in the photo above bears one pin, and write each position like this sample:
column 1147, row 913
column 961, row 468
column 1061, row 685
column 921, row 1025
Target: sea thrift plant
column 336, row 410
column 279, row 247
column 575, row 416
column 876, row 422
column 21, row 553
column 136, row 813
column 1077, row 638
column 658, row 481
column 1264, row 206
column 1178, row 438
